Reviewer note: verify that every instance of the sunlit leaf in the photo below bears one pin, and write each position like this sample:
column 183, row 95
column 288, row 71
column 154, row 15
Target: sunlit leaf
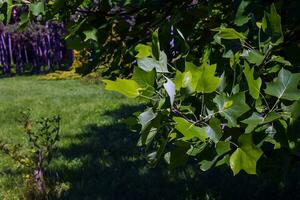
column 129, row 88
column 144, row 51
column 246, row 156
column 189, row 130
column 253, row 84
column 230, row 34
column 207, row 81
column 171, row 90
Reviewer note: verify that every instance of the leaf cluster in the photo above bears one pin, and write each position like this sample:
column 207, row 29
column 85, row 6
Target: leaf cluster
column 233, row 114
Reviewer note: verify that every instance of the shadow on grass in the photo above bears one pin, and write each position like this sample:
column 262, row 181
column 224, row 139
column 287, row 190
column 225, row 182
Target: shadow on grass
column 113, row 167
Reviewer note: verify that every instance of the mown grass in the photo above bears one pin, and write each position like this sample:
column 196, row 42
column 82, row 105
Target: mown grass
column 80, row 106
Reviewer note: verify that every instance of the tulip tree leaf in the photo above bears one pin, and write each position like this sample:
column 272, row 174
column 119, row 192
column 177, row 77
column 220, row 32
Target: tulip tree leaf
column 146, row 118
column 246, row 156
column 229, row 34
column 236, row 109
column 183, row 80
column 9, row 10
column 91, row 35
column 155, row 45
column 145, row 79
column 148, row 64
column 129, row 88
column 221, row 149
column 285, row 86
column 201, row 79
column 271, row 24
column 281, row 60
column 189, row 130
column 294, row 109
column 254, row 57
column 254, row 85
column 207, row 81
column 144, row 51
column 214, row 131
column 255, row 120
column 240, row 17
column 193, row 71
column 37, row 8
column 171, row 90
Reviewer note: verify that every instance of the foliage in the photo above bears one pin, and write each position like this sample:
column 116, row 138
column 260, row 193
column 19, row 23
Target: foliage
column 224, row 110
column 226, row 73
column 34, row 157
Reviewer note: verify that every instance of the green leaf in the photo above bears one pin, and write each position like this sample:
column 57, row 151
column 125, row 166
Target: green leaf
column 146, row 80
column 148, row 64
column 193, row 70
column 129, row 88
column 171, row 90
column 246, row 156
column 222, row 148
column 207, row 81
column 294, row 109
column 271, row 25
column 2, row 17
column 10, row 6
column 281, row 60
column 143, row 78
column 229, row 34
column 240, row 17
column 147, row 136
column 155, row 45
column 254, row 85
column 201, row 79
column 73, row 29
column 144, row 51
column 236, row 109
column 91, row 35
column 234, row 59
column 162, row 66
column 285, row 86
column 255, row 120
column 183, row 80
column 197, row 149
column 214, row 131
column 37, row 8
column 205, row 165
column 189, row 130
column 254, row 57
column 146, row 118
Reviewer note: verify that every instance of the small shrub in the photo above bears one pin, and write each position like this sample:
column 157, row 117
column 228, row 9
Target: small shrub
column 61, row 75
column 35, row 156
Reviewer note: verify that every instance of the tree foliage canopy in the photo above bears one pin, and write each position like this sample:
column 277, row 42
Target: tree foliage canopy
column 220, row 78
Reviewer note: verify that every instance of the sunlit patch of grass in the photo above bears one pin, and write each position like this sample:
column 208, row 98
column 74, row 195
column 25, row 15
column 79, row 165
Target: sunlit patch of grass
column 78, row 104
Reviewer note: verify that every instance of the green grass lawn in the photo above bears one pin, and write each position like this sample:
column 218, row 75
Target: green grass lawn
column 98, row 156
column 88, row 113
